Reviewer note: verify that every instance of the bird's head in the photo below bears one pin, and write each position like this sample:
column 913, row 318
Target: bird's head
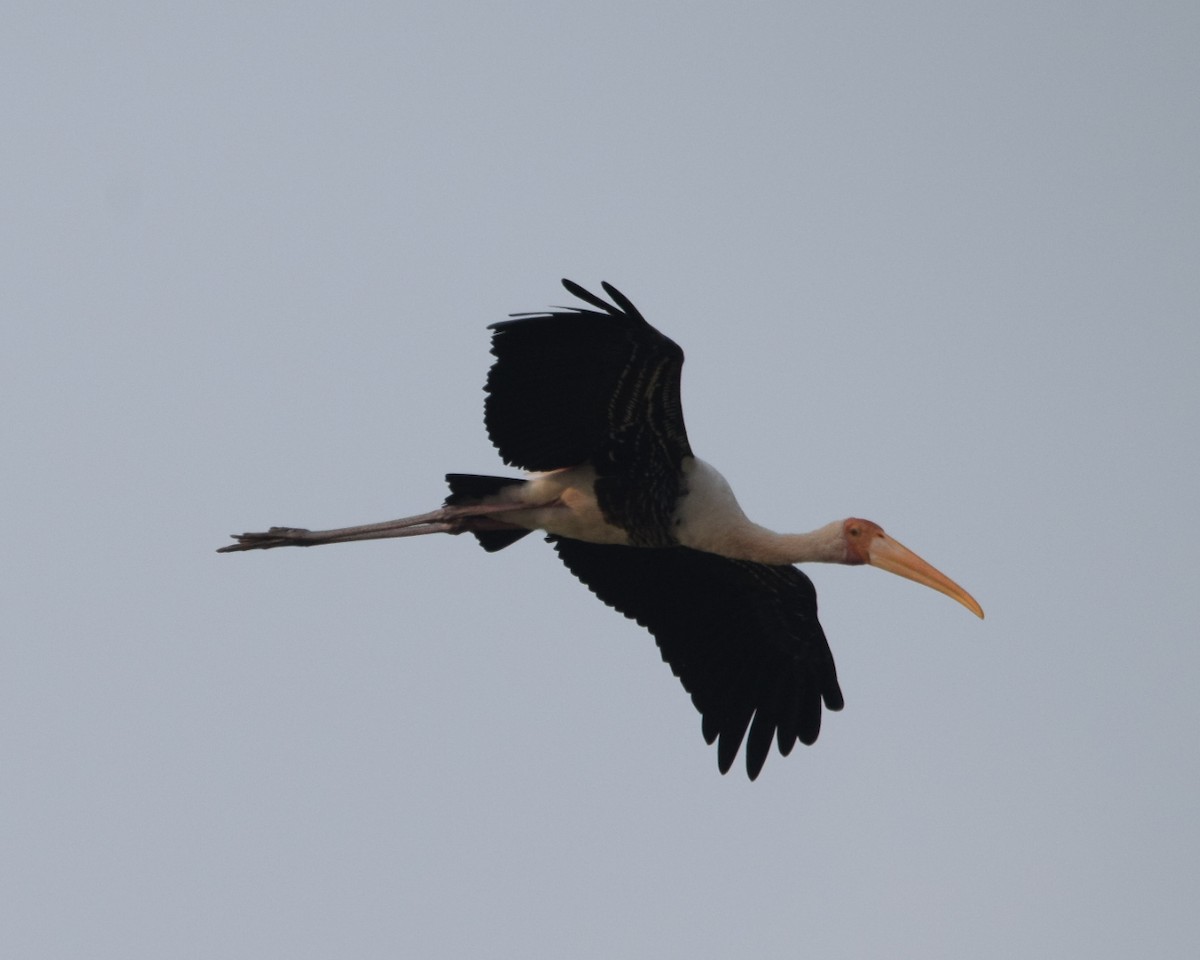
column 867, row 543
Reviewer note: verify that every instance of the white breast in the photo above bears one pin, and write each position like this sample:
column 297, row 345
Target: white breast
column 708, row 516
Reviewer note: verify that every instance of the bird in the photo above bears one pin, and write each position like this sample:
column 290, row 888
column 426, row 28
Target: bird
column 585, row 400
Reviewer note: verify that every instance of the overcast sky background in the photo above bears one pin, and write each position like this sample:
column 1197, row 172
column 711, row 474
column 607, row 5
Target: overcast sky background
column 934, row 264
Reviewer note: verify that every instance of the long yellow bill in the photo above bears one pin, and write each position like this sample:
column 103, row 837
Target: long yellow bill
column 892, row 556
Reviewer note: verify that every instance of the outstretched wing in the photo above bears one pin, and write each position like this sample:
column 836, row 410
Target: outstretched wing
column 742, row 637
column 576, row 386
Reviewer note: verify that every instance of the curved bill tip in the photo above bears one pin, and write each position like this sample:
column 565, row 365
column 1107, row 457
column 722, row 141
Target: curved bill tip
column 892, row 556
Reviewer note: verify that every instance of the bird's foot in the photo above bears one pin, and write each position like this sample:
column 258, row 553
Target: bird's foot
column 275, row 537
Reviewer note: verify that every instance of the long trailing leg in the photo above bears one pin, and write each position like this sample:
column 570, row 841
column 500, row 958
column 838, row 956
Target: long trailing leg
column 450, row 519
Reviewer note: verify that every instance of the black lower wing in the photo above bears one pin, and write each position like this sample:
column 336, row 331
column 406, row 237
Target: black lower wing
column 742, row 637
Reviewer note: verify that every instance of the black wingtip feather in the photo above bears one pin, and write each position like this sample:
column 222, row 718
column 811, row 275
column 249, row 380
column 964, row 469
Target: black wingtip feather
column 729, row 744
column 587, row 296
column 621, row 300
column 758, row 743
column 809, row 720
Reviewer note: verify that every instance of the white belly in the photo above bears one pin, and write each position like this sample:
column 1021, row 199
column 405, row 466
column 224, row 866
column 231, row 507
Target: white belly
column 563, row 502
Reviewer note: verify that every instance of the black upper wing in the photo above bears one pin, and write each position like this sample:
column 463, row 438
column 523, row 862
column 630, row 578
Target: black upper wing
column 600, row 386
column 742, row 637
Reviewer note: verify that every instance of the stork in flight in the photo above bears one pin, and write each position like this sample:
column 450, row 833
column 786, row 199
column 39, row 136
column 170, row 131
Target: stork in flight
column 586, row 399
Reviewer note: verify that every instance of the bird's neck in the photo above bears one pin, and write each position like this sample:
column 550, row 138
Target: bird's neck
column 709, row 519
column 826, row 544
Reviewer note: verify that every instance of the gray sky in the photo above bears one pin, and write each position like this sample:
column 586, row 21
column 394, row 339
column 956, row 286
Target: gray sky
column 932, row 264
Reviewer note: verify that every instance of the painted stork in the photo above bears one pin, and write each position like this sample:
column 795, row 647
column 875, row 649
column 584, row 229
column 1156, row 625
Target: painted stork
column 586, row 399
